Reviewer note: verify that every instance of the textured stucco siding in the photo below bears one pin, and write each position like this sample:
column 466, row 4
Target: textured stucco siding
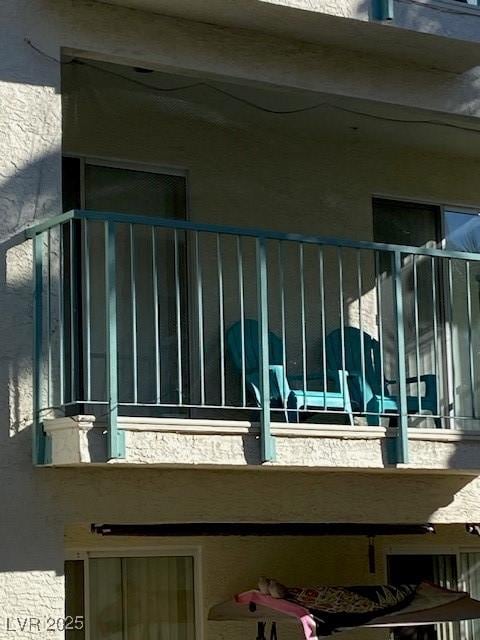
column 50, row 499
column 81, row 441
column 293, row 561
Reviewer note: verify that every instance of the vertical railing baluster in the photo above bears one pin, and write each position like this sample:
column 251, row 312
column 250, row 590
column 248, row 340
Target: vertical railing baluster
column 49, row 320
column 221, row 319
column 199, row 283
column 38, row 439
column 417, row 334
column 341, row 309
column 133, row 312
column 87, row 307
column 470, row 336
column 115, row 437
column 178, row 317
column 360, row 323
column 281, row 282
column 156, row 318
column 436, row 358
column 266, row 440
column 242, row 316
column 378, row 285
column 73, row 327
column 451, row 337
column 321, row 279
column 402, row 435
column 302, row 321
column 61, row 316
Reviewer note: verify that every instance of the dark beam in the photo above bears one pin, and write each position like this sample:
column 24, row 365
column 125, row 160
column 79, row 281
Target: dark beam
column 261, row 529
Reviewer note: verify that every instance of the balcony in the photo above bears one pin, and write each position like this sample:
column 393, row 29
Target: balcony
column 160, row 341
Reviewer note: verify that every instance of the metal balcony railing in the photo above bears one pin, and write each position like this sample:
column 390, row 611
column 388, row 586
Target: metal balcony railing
column 148, row 316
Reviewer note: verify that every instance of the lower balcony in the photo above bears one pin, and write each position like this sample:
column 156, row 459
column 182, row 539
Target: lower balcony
column 161, row 341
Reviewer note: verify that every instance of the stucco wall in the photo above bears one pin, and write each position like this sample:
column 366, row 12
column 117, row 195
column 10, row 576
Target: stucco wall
column 306, row 561
column 36, row 504
column 32, row 551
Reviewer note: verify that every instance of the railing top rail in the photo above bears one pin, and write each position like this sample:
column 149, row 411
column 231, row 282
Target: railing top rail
column 265, row 234
column 49, row 223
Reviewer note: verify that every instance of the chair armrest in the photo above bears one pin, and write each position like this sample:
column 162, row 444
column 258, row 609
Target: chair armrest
column 427, row 378
column 430, row 381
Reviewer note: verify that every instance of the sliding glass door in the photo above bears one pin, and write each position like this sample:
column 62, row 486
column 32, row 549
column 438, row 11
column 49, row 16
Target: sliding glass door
column 131, row 598
column 462, row 282
column 441, row 303
column 151, row 283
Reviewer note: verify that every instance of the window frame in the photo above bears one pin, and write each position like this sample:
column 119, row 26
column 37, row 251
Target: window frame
column 194, row 552
column 132, row 165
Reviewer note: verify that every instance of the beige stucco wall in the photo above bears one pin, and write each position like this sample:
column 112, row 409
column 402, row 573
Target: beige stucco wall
column 306, row 561
column 254, row 169
column 38, row 504
column 32, row 546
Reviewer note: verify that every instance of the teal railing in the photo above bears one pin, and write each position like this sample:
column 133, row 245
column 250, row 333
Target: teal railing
column 132, row 312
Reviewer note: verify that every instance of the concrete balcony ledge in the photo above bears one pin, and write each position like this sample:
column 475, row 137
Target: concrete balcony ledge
column 81, row 440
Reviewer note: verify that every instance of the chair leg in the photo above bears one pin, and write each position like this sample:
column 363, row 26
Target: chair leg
column 292, row 409
column 373, row 415
column 348, row 405
column 292, row 416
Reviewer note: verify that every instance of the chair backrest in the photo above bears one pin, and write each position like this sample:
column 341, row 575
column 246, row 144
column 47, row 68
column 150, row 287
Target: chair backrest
column 252, row 356
column 352, row 338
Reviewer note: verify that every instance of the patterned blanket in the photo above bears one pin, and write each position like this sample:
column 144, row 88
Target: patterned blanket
column 338, row 608
column 335, row 608
column 324, row 610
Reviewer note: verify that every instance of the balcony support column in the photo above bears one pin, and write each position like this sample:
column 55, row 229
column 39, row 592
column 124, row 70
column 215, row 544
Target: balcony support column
column 401, row 449
column 267, row 443
column 115, row 436
column 39, row 449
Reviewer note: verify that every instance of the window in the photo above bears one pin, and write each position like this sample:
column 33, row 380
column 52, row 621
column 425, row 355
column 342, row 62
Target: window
column 453, row 571
column 131, row 598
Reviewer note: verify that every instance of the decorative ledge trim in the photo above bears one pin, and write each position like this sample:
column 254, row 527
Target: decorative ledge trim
column 83, row 422
column 243, row 427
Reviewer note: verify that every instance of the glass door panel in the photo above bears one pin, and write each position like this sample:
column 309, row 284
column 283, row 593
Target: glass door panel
column 151, row 283
column 414, row 225
column 462, row 233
